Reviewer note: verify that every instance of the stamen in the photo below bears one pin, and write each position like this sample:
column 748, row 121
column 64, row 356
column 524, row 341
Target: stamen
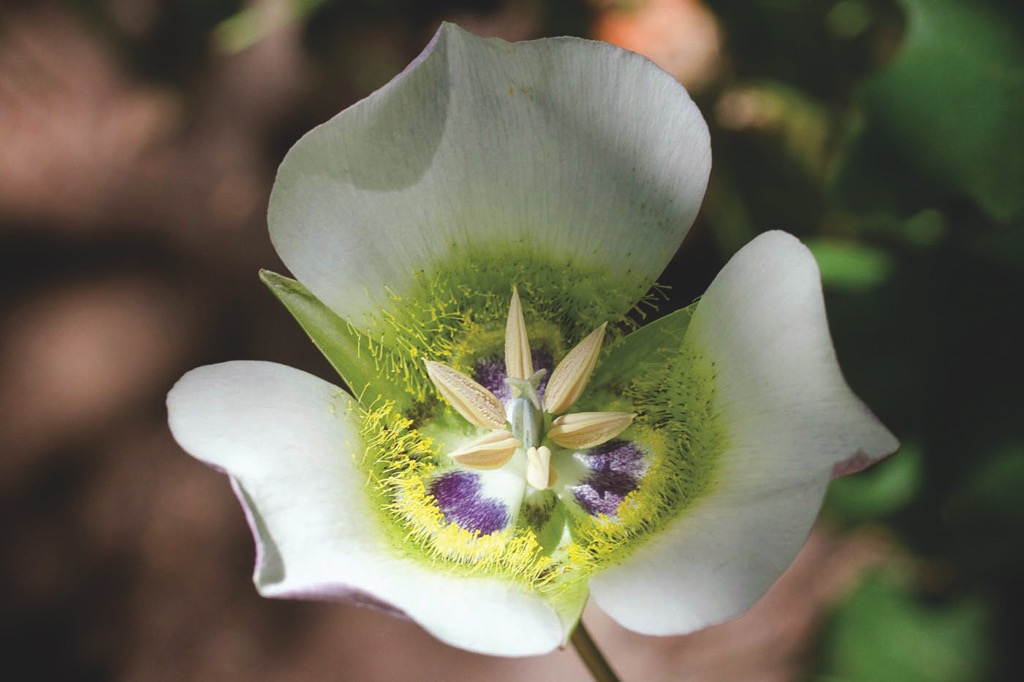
column 479, row 406
column 490, row 451
column 518, row 363
column 587, row 429
column 573, row 372
column 538, row 468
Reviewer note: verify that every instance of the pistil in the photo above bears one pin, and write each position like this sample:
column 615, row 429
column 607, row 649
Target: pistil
column 525, row 411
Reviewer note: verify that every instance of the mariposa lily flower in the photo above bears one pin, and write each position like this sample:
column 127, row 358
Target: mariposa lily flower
column 470, row 241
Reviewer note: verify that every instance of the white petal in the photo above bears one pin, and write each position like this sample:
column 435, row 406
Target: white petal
column 288, row 441
column 566, row 147
column 790, row 418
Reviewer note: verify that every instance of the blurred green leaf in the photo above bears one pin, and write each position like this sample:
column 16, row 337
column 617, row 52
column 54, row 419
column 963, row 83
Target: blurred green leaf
column 996, row 487
column 849, row 265
column 987, row 514
column 883, row 633
column 926, row 228
column 953, row 100
column 255, row 22
column 848, row 18
column 873, row 494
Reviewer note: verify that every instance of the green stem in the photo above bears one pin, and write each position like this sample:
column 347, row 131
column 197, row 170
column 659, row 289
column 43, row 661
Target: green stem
column 591, row 655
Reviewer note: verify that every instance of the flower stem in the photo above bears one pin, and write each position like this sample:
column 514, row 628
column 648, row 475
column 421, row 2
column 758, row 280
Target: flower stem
column 591, row 655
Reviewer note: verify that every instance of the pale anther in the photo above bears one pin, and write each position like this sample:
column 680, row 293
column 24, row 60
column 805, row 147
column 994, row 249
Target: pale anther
column 572, row 373
column 479, row 406
column 490, row 451
column 518, row 363
column 538, row 468
column 588, row 429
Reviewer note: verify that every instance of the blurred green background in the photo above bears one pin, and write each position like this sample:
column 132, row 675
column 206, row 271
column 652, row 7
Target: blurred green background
column 138, row 141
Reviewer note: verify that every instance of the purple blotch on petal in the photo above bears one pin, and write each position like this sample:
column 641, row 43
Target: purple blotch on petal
column 459, row 499
column 490, row 373
column 542, row 360
column 616, row 468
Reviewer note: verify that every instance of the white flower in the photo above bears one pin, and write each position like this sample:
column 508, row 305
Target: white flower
column 460, row 235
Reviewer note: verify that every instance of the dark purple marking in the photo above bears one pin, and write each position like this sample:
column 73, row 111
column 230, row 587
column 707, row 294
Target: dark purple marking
column 542, row 359
column 490, row 373
column 615, row 456
column 537, row 515
column 458, row 497
column 615, row 471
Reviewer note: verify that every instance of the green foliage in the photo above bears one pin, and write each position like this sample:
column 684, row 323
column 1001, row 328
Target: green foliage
column 907, row 183
column 952, row 101
column 253, row 23
column 848, row 265
column 990, row 512
column 883, row 633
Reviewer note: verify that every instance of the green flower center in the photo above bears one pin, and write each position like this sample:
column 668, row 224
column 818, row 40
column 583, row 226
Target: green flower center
column 432, row 463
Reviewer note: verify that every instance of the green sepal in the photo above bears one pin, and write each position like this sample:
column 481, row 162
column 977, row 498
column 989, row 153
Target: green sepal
column 340, row 343
column 624, row 360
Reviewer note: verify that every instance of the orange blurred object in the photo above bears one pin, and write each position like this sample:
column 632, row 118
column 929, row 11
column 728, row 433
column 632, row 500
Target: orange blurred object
column 680, row 36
